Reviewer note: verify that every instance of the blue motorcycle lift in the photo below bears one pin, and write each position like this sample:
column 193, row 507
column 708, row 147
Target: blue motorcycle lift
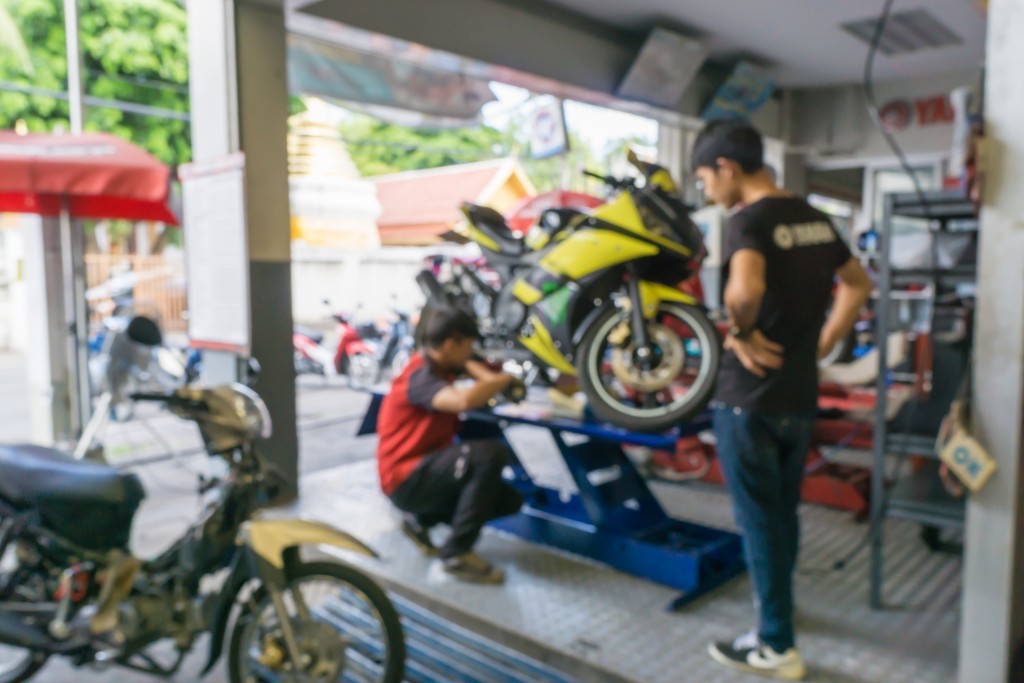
column 615, row 518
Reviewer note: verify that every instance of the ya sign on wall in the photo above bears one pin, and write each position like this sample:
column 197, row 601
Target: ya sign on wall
column 899, row 114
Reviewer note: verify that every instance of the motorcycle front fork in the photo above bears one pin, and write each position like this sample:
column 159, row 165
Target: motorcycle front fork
column 637, row 321
column 275, row 581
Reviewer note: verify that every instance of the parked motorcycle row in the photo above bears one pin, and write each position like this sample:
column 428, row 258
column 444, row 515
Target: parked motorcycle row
column 363, row 353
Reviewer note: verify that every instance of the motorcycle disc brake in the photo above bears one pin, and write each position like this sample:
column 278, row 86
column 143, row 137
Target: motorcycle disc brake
column 673, row 356
column 323, row 649
column 273, row 654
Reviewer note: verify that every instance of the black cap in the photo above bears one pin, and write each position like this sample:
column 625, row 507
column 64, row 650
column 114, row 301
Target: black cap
column 735, row 140
column 446, row 322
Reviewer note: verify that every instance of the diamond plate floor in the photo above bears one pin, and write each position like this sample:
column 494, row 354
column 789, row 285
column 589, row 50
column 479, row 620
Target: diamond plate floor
column 613, row 627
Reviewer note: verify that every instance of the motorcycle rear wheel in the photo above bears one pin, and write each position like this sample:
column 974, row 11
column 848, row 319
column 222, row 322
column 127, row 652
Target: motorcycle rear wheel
column 614, row 400
column 363, row 369
column 377, row 650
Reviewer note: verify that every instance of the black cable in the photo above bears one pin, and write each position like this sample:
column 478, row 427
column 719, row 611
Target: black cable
column 873, row 109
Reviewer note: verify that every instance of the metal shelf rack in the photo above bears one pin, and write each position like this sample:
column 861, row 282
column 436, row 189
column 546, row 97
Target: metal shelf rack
column 918, row 496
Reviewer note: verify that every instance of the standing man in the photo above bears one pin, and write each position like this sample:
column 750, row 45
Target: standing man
column 424, row 472
column 783, row 257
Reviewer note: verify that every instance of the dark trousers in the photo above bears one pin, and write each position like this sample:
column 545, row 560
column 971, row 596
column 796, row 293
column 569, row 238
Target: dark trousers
column 762, row 457
column 460, row 486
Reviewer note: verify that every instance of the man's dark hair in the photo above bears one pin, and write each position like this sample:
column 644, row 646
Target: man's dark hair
column 444, row 323
column 734, row 140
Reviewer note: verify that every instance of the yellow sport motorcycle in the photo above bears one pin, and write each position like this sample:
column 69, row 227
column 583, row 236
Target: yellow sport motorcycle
column 593, row 295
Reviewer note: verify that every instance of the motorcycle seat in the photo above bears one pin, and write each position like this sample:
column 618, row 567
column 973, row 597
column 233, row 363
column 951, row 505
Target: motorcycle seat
column 311, row 334
column 493, row 225
column 34, row 475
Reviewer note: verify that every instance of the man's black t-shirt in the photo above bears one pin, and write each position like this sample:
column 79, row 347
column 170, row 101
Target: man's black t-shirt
column 802, row 252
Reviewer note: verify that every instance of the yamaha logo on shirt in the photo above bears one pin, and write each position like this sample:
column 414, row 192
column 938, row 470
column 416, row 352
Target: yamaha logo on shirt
column 803, row 235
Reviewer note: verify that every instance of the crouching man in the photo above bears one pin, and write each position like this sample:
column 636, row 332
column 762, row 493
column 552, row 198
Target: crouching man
column 429, row 476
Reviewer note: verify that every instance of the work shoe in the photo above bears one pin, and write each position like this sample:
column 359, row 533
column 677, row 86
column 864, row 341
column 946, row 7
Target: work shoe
column 473, row 568
column 748, row 653
column 418, row 534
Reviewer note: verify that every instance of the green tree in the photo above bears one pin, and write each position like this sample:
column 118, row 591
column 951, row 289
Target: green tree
column 377, row 147
column 133, row 51
column 11, row 42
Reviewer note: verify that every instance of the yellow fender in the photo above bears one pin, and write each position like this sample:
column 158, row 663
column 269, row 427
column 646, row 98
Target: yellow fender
column 653, row 293
column 269, row 538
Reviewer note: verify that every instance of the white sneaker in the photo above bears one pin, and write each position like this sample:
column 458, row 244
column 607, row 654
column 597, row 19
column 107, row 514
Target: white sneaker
column 748, row 653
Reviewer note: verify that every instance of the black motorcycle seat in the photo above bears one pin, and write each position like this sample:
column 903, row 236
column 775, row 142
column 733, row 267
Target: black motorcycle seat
column 493, row 224
column 34, row 475
column 313, row 335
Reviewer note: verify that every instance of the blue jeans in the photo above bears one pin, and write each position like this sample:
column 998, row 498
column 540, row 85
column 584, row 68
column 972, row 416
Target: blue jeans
column 762, row 457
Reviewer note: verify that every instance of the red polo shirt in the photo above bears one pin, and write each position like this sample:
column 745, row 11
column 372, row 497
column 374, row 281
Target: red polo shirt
column 408, row 427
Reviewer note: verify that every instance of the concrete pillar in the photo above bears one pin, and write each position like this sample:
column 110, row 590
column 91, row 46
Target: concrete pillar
column 46, row 354
column 239, row 95
column 993, row 595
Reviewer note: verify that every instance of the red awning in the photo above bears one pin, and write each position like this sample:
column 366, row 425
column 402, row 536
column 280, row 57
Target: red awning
column 100, row 175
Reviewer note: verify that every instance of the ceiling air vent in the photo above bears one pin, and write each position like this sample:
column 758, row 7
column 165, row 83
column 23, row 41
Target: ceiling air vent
column 905, row 32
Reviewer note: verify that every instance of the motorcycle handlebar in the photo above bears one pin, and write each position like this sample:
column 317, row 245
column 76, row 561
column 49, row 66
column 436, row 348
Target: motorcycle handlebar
column 147, row 396
column 610, row 181
column 171, row 399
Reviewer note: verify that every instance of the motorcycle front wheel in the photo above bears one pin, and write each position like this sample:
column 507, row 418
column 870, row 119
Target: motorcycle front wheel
column 353, row 632
column 18, row 664
column 649, row 389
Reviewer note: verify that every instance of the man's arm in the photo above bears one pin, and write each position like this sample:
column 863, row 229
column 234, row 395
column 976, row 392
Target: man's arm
column 745, row 288
column 743, row 294
column 454, row 399
column 479, row 370
column 853, row 292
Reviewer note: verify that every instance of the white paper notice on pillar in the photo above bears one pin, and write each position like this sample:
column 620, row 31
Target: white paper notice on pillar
column 548, row 135
column 216, row 253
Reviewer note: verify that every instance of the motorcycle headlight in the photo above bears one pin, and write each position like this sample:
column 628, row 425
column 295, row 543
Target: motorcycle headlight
column 252, row 412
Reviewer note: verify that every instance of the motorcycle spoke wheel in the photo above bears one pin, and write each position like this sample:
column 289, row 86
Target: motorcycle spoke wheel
column 347, row 609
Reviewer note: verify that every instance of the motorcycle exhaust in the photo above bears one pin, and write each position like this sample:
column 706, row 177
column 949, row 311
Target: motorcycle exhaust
column 14, row 631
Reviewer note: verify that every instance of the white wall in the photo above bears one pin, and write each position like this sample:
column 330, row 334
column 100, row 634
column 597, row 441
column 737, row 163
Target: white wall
column 366, row 283
column 13, row 336
column 834, row 122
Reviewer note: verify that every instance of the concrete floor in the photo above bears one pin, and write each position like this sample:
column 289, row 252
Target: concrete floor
column 580, row 617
